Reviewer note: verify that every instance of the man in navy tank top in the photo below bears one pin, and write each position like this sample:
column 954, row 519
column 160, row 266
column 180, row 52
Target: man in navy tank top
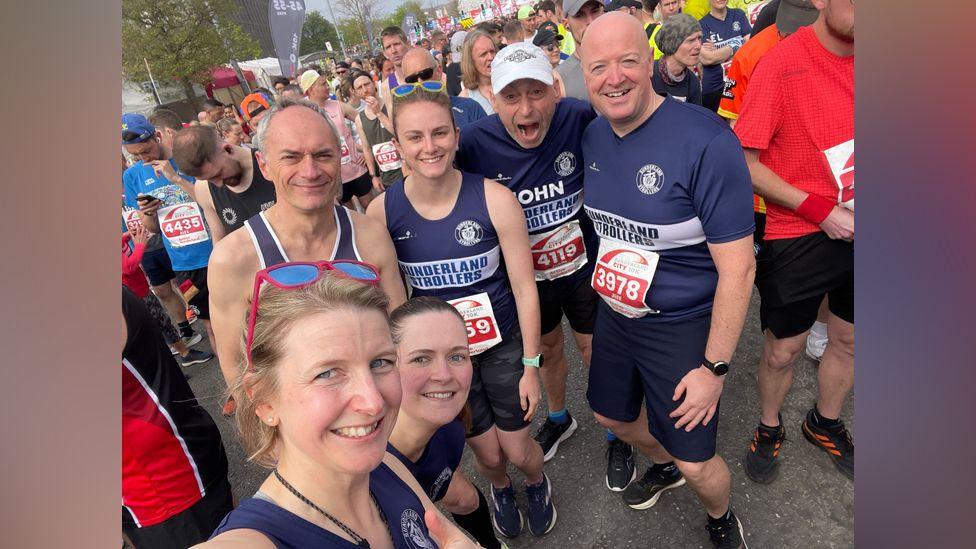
column 532, row 145
column 668, row 191
column 299, row 151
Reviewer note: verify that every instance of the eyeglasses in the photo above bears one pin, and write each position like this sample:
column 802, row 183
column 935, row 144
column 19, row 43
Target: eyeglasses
column 300, row 274
column 406, row 89
column 424, row 74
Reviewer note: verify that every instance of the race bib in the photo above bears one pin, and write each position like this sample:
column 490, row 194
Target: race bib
column 131, row 219
column 559, row 252
column 479, row 320
column 345, row 153
column 182, row 224
column 387, row 157
column 840, row 158
column 622, row 276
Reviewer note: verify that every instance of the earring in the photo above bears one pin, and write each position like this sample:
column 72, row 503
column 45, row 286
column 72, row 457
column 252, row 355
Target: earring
column 270, row 420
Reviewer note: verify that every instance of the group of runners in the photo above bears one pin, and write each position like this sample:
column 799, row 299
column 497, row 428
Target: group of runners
column 362, row 351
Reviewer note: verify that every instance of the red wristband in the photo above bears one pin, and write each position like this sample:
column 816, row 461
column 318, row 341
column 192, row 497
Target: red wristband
column 815, row 208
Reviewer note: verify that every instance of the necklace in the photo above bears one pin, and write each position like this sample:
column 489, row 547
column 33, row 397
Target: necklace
column 360, row 541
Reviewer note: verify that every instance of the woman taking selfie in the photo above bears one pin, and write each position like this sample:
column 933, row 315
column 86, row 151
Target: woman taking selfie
column 462, row 238
column 435, row 373
column 317, row 403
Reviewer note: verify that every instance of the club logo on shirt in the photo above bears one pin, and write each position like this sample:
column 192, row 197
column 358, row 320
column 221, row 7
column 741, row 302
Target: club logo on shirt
column 442, row 480
column 413, row 534
column 468, row 233
column 736, row 26
column 650, row 179
column 565, row 163
column 229, row 215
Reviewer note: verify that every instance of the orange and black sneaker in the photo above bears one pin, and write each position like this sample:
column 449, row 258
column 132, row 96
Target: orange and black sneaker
column 761, row 458
column 835, row 441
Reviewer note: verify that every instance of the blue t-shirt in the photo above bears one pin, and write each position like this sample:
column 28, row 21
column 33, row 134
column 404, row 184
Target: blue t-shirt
column 435, row 467
column 185, row 233
column 731, row 32
column 674, row 183
column 547, row 180
column 465, row 110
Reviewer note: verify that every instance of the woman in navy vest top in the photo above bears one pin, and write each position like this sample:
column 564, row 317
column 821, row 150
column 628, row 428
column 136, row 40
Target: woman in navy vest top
column 317, row 404
column 435, row 372
column 463, row 239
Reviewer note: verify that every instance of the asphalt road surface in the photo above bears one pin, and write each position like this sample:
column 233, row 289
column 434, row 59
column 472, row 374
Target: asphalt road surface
column 809, row 505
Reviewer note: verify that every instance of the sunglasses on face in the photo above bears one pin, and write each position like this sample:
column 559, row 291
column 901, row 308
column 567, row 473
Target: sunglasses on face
column 425, row 74
column 300, row 274
column 552, row 46
column 406, row 89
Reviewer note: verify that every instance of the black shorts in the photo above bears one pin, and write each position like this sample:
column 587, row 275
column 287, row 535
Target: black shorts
column 635, row 361
column 494, row 396
column 573, row 297
column 158, row 268
column 794, row 274
column 192, row 526
column 193, row 285
column 358, row 187
column 757, row 235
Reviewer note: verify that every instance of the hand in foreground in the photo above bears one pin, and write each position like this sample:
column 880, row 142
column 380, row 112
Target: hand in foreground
column 702, row 390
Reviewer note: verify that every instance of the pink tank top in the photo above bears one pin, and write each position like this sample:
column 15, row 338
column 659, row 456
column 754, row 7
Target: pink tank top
column 351, row 168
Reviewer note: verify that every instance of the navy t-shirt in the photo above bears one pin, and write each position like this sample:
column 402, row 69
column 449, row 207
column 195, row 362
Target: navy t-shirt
column 731, row 32
column 676, row 182
column 466, row 110
column 435, row 467
column 547, row 180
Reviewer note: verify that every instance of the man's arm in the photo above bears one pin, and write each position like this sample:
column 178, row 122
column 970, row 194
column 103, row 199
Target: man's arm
column 710, row 55
column 228, row 305
column 371, row 166
column 373, row 238
column 736, row 265
column 202, row 189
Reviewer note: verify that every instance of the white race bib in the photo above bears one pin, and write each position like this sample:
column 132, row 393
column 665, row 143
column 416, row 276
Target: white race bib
column 387, row 157
column 182, row 224
column 479, row 320
column 345, row 153
column 840, row 158
column 559, row 252
column 622, row 276
column 131, row 219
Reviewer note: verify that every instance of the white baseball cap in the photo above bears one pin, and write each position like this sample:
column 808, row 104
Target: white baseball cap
column 457, row 41
column 517, row 61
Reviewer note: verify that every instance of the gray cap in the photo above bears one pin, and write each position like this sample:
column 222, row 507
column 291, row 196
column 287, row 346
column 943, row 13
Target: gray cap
column 674, row 31
column 793, row 14
column 570, row 7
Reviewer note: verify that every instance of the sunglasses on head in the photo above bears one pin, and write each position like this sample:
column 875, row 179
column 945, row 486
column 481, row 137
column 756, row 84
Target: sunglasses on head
column 425, row 74
column 406, row 89
column 300, row 274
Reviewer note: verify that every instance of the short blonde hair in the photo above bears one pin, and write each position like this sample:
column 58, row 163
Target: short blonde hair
column 469, row 73
column 278, row 311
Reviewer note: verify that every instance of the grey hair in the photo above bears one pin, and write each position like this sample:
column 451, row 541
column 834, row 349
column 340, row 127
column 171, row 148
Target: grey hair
column 283, row 104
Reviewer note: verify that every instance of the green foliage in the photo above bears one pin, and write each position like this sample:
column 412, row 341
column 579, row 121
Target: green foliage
column 317, row 31
column 181, row 39
column 410, row 6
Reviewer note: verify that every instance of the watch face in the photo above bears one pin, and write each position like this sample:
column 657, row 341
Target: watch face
column 721, row 368
column 542, row 360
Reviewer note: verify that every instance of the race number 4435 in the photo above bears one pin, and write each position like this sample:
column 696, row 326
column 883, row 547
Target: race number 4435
column 479, row 321
column 622, row 277
column 182, row 224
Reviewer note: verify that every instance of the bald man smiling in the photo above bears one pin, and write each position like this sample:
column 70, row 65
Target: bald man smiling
column 670, row 197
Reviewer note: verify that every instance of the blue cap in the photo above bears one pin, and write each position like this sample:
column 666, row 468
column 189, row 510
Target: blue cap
column 136, row 129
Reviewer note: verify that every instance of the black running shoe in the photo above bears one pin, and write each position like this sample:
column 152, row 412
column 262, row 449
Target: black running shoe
column 761, row 458
column 620, row 465
column 727, row 533
column 836, row 442
column 551, row 434
column 644, row 493
column 195, row 357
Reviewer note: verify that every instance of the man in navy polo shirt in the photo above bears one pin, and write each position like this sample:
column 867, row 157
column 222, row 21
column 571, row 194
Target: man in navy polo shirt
column 532, row 145
column 669, row 194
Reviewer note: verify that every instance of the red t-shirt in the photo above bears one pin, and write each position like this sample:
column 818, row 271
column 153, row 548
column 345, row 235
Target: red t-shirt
column 799, row 111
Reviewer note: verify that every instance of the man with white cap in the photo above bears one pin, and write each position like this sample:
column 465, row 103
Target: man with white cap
column 532, row 145
column 453, row 70
column 579, row 14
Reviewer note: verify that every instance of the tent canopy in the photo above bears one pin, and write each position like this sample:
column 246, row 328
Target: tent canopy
column 225, row 77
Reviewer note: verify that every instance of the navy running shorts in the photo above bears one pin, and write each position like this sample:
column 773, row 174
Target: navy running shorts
column 157, row 266
column 637, row 362
column 494, row 396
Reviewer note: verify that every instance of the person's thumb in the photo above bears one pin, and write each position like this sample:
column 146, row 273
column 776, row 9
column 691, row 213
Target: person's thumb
column 445, row 536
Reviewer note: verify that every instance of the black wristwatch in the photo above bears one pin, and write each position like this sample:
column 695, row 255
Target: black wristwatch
column 719, row 368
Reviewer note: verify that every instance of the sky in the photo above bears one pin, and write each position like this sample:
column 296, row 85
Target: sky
column 321, row 6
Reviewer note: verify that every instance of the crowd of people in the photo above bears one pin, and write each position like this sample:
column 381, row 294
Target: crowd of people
column 381, row 254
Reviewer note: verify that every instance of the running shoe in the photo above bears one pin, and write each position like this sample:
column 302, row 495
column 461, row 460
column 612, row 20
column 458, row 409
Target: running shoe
column 506, row 516
column 191, row 316
column 836, row 442
column 195, row 357
column 620, row 465
column 761, row 459
column 542, row 513
column 815, row 346
column 191, row 340
column 229, row 407
column 551, row 434
column 644, row 493
column 727, row 533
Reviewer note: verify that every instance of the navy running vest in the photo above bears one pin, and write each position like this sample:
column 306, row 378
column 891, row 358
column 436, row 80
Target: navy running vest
column 441, row 457
column 454, row 257
column 271, row 253
column 235, row 208
column 403, row 511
